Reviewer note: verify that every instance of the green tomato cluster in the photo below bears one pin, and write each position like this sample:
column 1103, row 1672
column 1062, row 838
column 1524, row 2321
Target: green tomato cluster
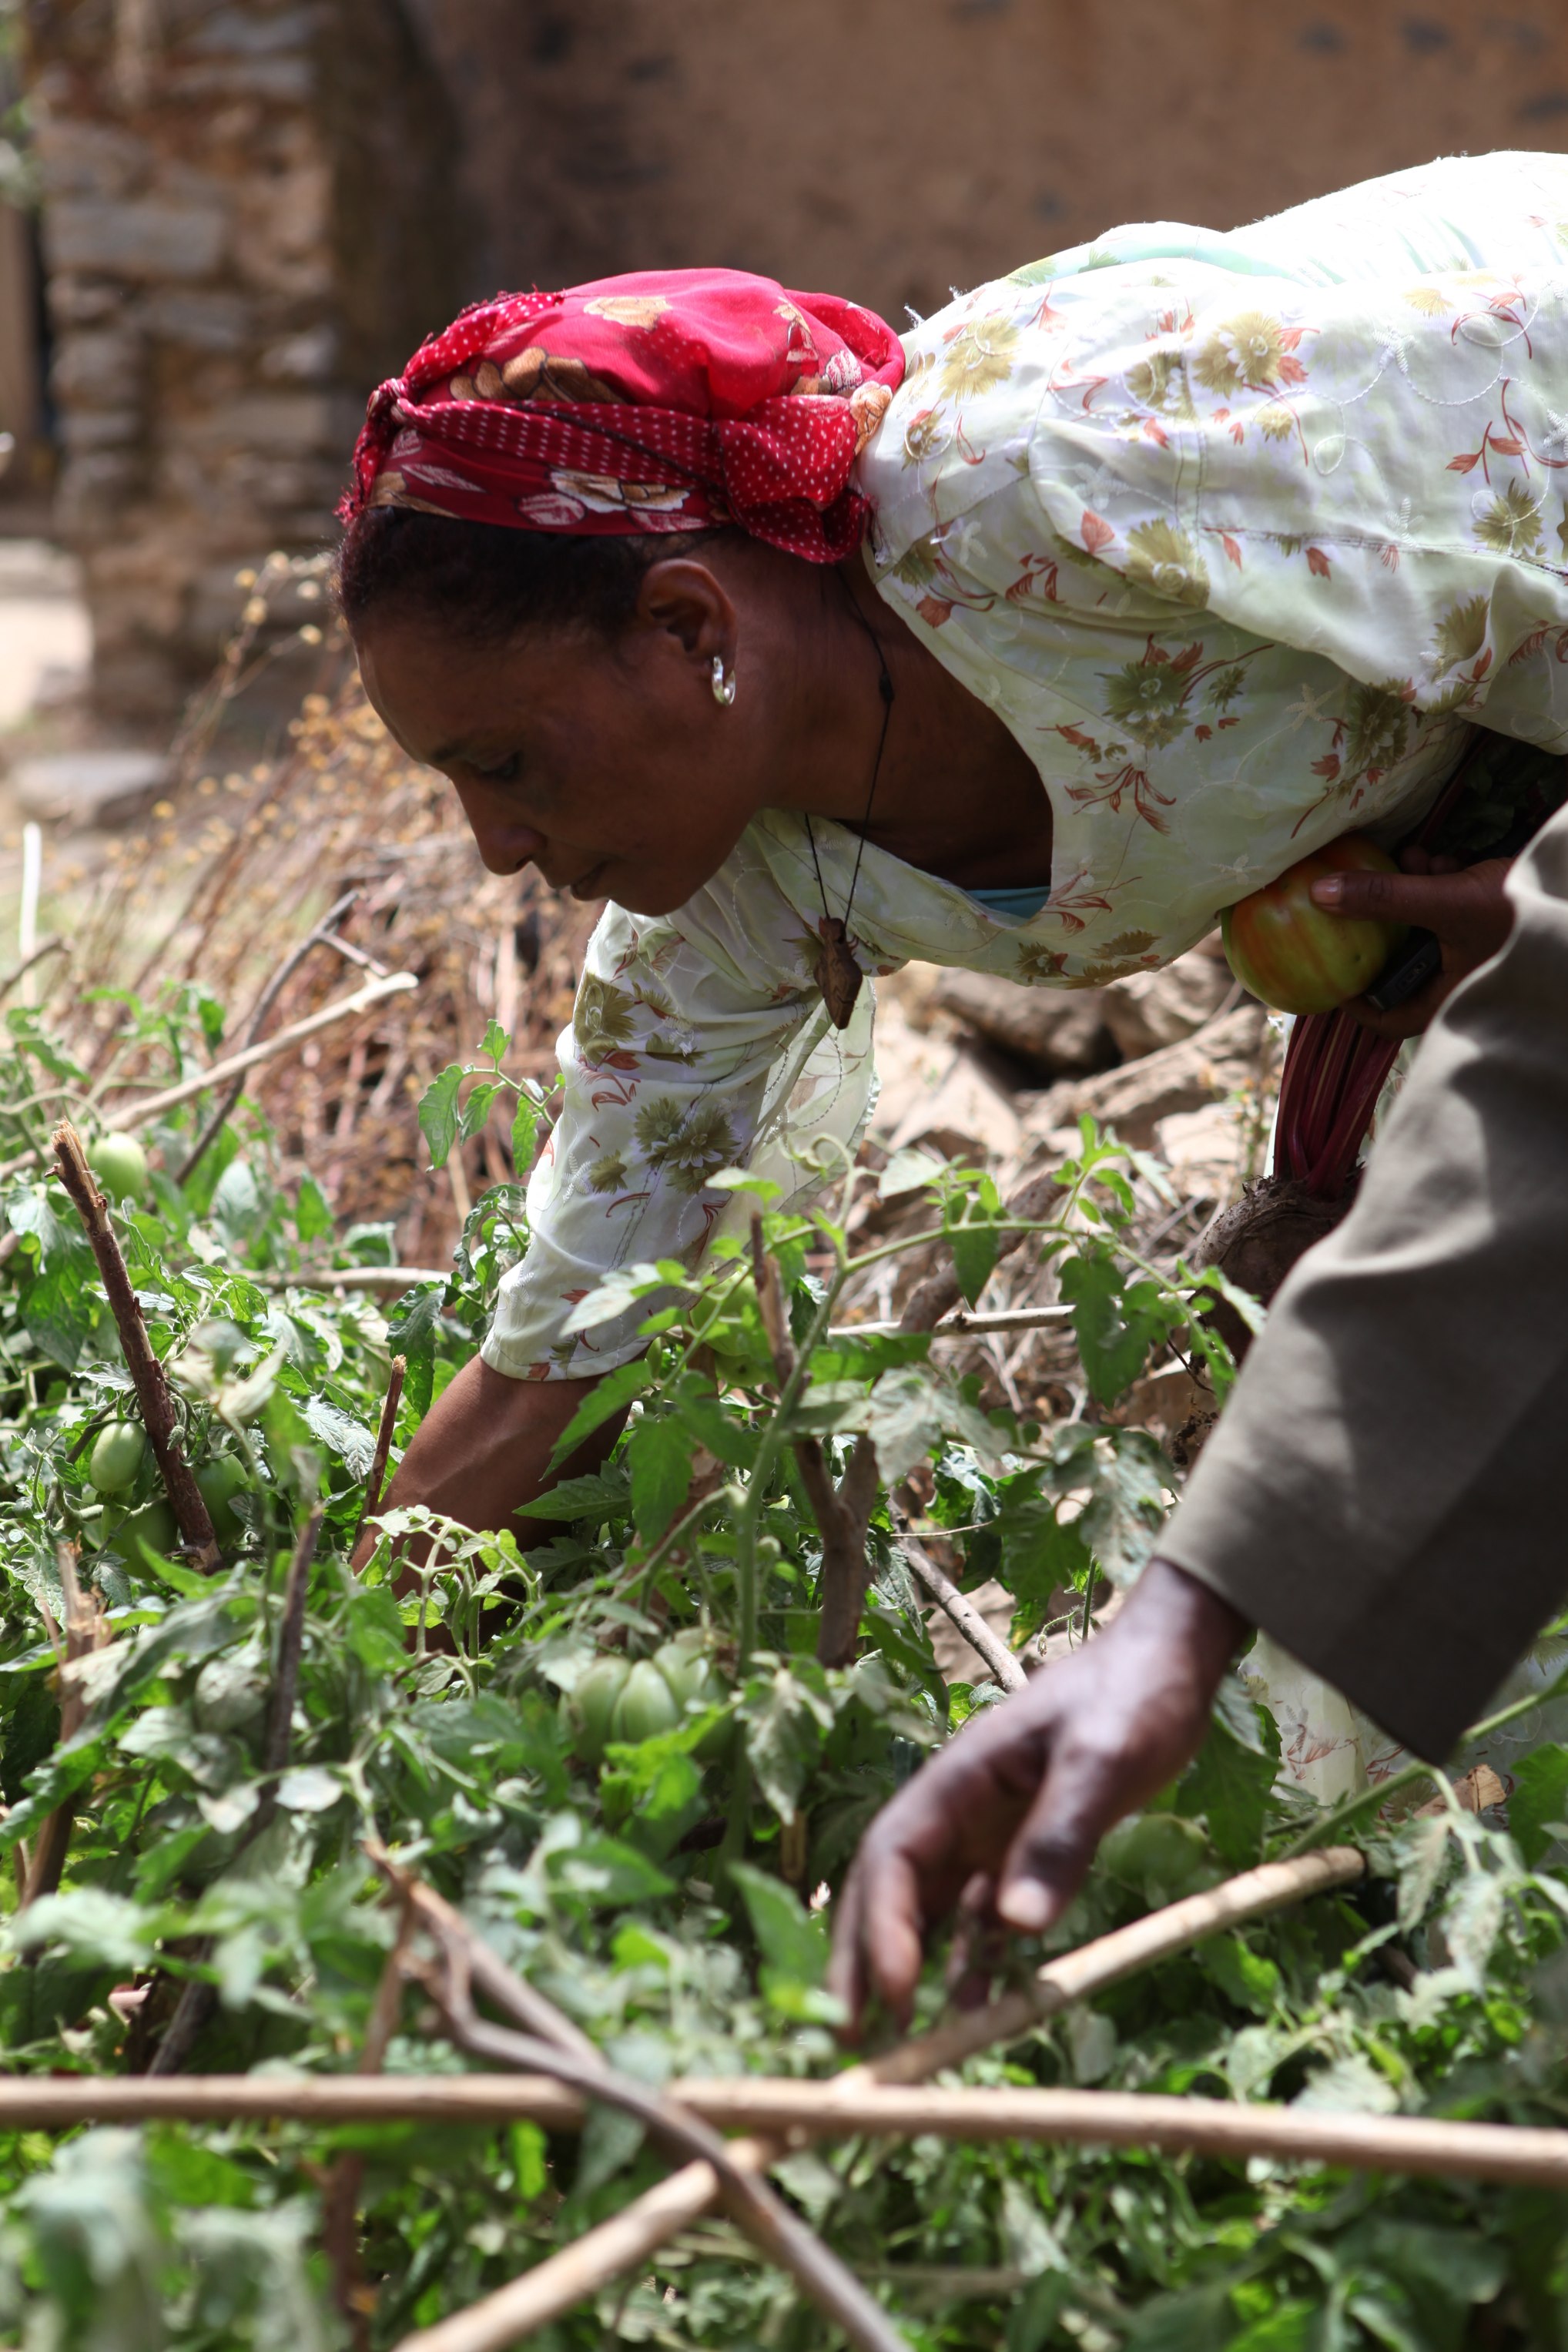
column 616, row 1700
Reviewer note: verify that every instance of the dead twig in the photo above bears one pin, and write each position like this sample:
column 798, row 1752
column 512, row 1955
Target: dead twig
column 753, row 2207
column 341, row 2195
column 377, row 1479
column 959, row 1611
column 199, row 1998
column 85, row 1632
column 798, row 2112
column 637, row 2231
column 147, row 1374
column 843, row 1512
column 323, row 936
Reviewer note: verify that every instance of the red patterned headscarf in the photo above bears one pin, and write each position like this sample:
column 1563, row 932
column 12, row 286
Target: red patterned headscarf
column 668, row 400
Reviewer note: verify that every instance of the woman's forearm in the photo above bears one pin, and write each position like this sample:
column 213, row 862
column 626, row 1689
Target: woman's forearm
column 482, row 1449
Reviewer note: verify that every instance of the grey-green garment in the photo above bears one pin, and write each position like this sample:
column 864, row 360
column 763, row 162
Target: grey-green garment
column 1387, row 1493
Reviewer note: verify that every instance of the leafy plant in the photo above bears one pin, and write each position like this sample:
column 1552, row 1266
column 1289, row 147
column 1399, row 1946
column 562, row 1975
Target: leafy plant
column 663, row 1873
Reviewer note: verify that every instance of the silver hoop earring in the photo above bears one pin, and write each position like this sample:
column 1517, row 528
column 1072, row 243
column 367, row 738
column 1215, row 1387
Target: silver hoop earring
column 723, row 688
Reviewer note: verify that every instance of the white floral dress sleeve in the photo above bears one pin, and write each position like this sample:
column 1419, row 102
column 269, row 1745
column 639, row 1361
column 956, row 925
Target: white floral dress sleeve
column 697, row 1043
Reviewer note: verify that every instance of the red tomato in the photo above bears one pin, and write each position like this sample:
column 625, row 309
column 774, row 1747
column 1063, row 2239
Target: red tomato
column 1298, row 957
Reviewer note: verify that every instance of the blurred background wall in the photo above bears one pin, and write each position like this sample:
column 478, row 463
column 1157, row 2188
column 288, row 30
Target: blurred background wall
column 251, row 209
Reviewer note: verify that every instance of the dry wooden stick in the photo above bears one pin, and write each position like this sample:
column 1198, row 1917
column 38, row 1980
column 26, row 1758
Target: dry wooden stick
column 750, row 2204
column 341, row 2195
column 959, row 1326
column 323, row 935
column 487, row 1972
column 636, row 2232
column 85, row 1632
column 796, row 2112
column 137, row 1114
column 842, row 1513
column 377, row 1479
column 147, row 1374
column 1108, row 1959
column 959, row 1611
column 198, row 1998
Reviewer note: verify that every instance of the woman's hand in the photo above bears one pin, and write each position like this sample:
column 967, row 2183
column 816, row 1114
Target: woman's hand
column 481, row 1450
column 1463, row 905
column 1004, row 1821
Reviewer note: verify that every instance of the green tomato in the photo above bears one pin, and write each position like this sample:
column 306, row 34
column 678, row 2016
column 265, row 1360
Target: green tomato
column 689, row 1668
column 117, row 1452
column 152, row 1528
column 646, row 1706
column 217, row 1482
column 120, row 1165
column 586, row 1711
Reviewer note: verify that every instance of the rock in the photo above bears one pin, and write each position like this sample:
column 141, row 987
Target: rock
column 1159, row 1008
column 1205, row 1150
column 136, row 240
column 1204, row 1068
column 98, row 367
column 1056, row 1029
column 934, row 1089
column 89, row 787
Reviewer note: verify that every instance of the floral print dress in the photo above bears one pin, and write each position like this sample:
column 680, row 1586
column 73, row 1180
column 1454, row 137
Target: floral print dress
column 1239, row 535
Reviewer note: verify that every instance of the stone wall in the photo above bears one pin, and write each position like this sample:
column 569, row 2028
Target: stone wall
column 238, row 232
column 255, row 208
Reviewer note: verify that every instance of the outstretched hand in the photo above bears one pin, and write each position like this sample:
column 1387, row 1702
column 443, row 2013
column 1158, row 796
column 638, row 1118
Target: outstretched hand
column 1464, row 905
column 1003, row 1824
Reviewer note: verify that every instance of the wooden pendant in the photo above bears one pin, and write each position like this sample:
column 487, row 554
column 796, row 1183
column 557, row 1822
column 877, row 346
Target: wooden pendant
column 836, row 972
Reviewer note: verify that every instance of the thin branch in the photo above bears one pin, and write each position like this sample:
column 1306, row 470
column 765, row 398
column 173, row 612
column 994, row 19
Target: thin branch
column 793, row 2109
column 321, row 936
column 1108, row 1959
column 487, row 1972
column 377, row 1479
column 961, row 1325
column 959, row 1610
column 341, row 2195
column 85, row 1630
column 53, row 945
column 842, row 1513
column 752, row 2205
column 147, row 1374
column 199, row 1997
column 555, row 2286
column 137, row 1114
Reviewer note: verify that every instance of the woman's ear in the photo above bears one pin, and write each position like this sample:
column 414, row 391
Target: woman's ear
column 684, row 599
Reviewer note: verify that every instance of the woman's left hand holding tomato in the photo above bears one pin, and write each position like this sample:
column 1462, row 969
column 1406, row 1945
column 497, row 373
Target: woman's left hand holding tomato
column 1464, row 905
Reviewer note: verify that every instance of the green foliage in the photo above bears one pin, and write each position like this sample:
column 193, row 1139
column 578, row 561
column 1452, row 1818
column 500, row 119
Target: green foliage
column 663, row 1870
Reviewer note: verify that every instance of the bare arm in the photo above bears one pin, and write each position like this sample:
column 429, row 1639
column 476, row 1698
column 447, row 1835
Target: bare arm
column 481, row 1450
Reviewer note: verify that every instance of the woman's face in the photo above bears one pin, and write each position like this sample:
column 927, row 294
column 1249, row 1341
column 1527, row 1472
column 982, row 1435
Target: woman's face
column 608, row 765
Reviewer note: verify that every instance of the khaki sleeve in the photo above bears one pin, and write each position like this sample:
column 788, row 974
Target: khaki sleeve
column 1384, row 1496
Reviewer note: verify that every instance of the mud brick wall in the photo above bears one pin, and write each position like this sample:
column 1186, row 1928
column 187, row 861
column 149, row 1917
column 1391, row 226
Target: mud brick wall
column 239, row 232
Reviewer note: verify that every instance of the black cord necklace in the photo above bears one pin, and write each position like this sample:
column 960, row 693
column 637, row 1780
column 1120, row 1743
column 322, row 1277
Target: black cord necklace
column 835, row 969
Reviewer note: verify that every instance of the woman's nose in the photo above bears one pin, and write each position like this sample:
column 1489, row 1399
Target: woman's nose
column 504, row 842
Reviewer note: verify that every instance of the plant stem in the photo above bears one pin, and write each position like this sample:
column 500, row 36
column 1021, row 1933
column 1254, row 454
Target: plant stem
column 148, row 1376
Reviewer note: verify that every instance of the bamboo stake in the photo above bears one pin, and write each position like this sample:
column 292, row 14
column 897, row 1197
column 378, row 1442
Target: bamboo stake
column 797, row 2112
column 147, row 1373
column 377, row 1479
column 650, row 2221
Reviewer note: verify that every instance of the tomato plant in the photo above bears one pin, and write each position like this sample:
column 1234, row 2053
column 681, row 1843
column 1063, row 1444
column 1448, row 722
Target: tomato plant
column 607, row 1737
column 1295, row 956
